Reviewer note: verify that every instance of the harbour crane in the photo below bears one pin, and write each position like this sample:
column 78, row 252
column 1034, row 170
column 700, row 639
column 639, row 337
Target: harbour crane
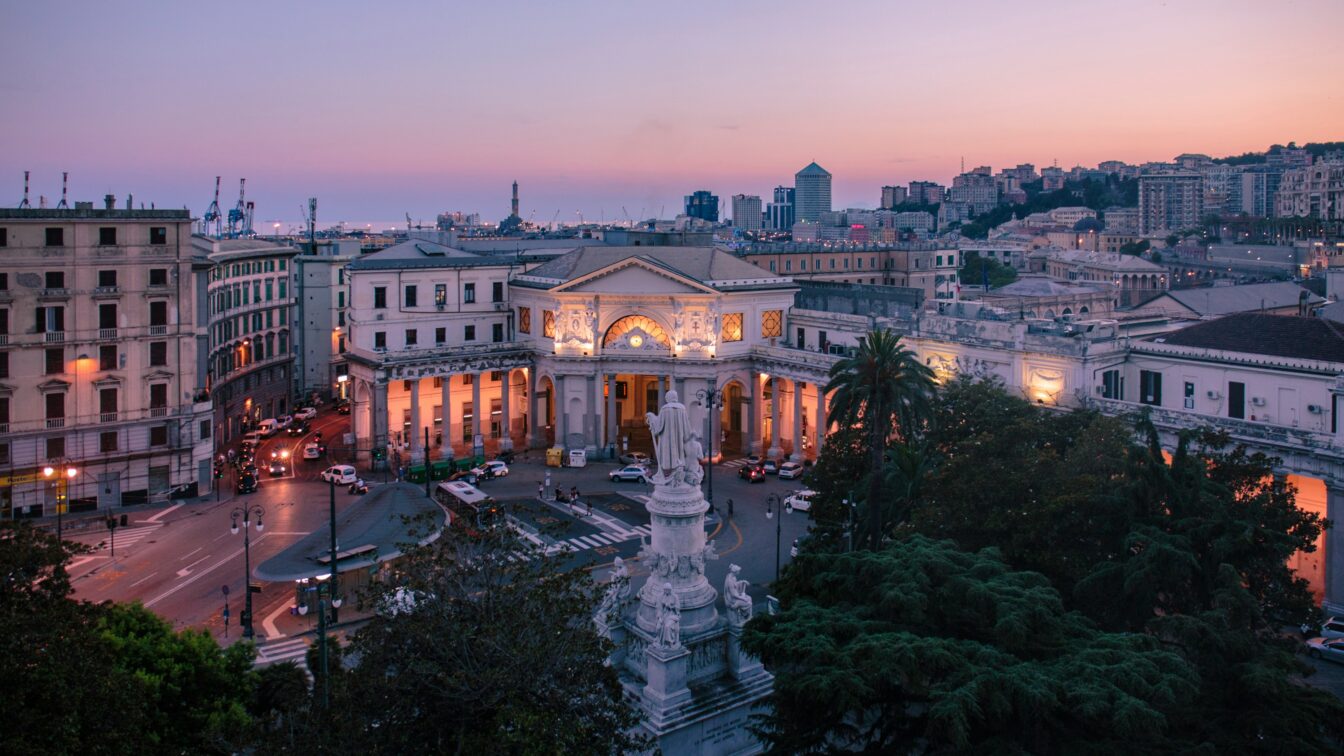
column 210, row 221
column 239, row 223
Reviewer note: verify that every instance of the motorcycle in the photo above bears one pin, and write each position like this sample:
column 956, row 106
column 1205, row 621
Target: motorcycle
column 359, row 488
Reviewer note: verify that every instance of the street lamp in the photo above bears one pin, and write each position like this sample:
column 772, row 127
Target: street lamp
column 712, row 401
column 331, row 482
column 322, row 627
column 62, row 478
column 246, row 513
column 771, row 504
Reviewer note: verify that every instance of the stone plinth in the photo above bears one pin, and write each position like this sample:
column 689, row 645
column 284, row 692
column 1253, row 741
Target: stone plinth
column 676, row 554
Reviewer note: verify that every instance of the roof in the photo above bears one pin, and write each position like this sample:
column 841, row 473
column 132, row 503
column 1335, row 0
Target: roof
column 418, row 253
column 1225, row 300
column 1271, row 253
column 813, row 169
column 1040, row 286
column 1109, row 261
column 703, row 264
column 1269, row 335
column 376, row 521
column 223, row 250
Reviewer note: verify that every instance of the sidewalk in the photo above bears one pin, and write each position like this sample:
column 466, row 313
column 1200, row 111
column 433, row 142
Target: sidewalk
column 83, row 522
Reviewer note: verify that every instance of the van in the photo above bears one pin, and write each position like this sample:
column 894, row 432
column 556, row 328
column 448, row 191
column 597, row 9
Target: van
column 268, row 427
column 253, row 439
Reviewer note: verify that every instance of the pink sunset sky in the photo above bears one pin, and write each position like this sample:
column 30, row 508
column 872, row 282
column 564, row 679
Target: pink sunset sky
column 381, row 109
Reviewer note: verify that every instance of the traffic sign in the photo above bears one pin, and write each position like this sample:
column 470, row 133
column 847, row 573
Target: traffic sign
column 224, row 589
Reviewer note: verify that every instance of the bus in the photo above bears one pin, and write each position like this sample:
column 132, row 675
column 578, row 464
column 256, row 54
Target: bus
column 470, row 506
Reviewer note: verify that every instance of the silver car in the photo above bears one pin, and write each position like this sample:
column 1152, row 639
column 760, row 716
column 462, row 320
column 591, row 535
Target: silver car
column 629, row 473
column 1326, row 648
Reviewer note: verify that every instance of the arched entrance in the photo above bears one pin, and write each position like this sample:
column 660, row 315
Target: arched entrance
column 545, row 409
column 733, row 419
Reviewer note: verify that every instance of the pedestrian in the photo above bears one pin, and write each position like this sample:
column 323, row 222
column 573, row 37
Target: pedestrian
column 730, row 508
column 541, row 491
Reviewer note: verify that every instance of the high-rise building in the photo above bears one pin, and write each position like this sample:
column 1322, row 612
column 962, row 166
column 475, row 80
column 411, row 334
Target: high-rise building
column 977, row 189
column 926, row 192
column 1170, row 202
column 102, row 313
column 1259, row 187
column 780, row 212
column 747, row 212
column 893, row 196
column 813, row 193
column 703, row 205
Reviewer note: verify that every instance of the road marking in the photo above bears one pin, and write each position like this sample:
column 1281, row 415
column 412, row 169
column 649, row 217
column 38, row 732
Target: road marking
column 82, row 561
column 155, row 518
column 295, row 650
column 143, row 579
column 187, row 570
column 198, row 575
column 129, row 537
column 268, row 624
column 184, row 556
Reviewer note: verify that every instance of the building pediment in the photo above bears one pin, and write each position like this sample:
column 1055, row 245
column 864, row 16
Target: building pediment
column 159, row 375
column 635, row 276
column 55, row 384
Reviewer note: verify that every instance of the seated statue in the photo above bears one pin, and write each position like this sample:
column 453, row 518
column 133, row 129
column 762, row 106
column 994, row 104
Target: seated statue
column 735, row 596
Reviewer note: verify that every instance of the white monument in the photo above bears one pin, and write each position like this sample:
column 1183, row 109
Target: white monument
column 678, row 656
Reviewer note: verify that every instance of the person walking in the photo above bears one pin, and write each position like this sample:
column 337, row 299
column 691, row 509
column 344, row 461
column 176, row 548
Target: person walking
column 541, row 491
column 730, row 509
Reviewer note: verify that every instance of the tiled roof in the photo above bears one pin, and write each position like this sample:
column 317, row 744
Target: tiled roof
column 1269, row 335
column 701, row 264
column 1224, row 300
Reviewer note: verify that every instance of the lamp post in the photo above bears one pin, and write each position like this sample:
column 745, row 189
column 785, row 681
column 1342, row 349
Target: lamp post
column 771, row 504
column 852, row 506
column 712, row 401
column 322, row 641
column 62, row 473
column 246, row 514
column 336, row 604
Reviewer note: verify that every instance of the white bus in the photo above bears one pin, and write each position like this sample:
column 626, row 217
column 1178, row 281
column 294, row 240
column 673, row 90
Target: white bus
column 470, row 506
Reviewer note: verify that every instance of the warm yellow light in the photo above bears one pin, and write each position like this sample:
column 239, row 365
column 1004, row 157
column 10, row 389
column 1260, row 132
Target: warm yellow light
column 48, row 471
column 71, row 472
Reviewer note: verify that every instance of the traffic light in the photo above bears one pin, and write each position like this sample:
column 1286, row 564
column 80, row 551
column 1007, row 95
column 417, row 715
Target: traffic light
column 378, row 454
column 219, row 472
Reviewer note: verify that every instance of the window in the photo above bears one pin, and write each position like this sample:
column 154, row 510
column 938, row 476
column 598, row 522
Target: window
column 379, row 297
column 4, row 364
column 158, row 353
column 802, row 265
column 107, row 357
column 158, row 313
column 1112, row 385
column 1189, row 395
column 4, row 237
column 440, row 335
column 340, row 318
column 1150, row 387
column 380, row 340
column 158, row 395
column 469, row 333
column 772, row 266
column 107, row 235
column 497, row 332
column 524, row 320
column 55, row 408
column 4, row 450
column 50, row 319
column 468, row 379
column 732, row 327
column 340, row 299
column 54, row 279
column 1236, row 400
column 497, row 291
column 788, row 266
column 410, row 296
column 4, row 277
column 802, row 338
column 772, row 323
column 158, row 235
column 107, row 278
column 548, row 324
column 411, row 337
column 107, row 441
column 832, row 263
column 55, row 237
column 282, row 264
column 440, row 295
column 158, row 276
column 4, row 321
column 55, row 361
column 158, row 435
column 270, row 291
column 55, row 447
column 107, row 405
column 107, row 316
column 469, row 293
column 4, row 411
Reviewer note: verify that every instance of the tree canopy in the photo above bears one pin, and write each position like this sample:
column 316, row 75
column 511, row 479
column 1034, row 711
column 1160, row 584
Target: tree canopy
column 976, row 270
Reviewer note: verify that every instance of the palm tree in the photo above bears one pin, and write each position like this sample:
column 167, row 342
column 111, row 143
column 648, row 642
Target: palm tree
column 884, row 389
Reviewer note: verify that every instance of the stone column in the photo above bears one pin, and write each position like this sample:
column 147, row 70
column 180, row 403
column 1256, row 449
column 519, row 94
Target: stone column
column 446, row 449
column 820, row 430
column 612, row 430
column 774, row 451
column 754, row 415
column 536, row 438
column 505, row 421
column 415, row 432
column 476, row 410
column 662, row 388
column 797, row 455
column 561, row 416
column 1333, row 603
column 592, row 415
column 378, row 414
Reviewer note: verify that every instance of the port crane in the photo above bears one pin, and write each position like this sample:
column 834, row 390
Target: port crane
column 210, row 221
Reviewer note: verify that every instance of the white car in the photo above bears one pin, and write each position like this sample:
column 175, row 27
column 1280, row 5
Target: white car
column 283, row 421
column 497, row 467
column 801, row 501
column 307, row 413
column 341, row 475
column 1326, row 648
column 629, row 473
column 312, row 451
column 790, row 470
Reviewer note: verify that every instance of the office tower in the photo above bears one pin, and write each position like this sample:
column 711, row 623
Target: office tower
column 703, row 205
column 780, row 212
column 812, row 193
column 747, row 212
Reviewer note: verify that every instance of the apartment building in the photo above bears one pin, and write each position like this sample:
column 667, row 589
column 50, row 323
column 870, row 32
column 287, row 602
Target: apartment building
column 1313, row 192
column 103, row 400
column 1170, row 202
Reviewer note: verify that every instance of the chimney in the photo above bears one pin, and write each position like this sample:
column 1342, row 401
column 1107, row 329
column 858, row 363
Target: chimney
column 110, row 201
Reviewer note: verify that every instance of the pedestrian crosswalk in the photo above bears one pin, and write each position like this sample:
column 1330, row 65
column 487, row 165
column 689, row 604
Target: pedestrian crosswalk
column 739, row 462
column 126, row 538
column 294, row 649
column 599, row 540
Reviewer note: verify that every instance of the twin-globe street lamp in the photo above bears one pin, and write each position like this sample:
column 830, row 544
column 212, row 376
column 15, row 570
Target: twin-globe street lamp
column 712, row 401
column 62, row 475
column 246, row 514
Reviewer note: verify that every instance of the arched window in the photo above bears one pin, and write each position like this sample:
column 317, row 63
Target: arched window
column 636, row 331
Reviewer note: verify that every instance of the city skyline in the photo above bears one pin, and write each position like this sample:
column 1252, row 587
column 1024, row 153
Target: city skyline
column 333, row 103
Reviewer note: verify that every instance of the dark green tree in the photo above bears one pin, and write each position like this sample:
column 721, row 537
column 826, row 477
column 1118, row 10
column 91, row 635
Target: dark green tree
column 887, row 390
column 921, row 647
column 977, row 269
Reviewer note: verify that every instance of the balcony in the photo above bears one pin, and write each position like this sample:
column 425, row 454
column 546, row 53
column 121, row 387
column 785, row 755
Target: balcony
column 4, row 339
column 54, row 294
column 55, row 422
column 107, row 334
column 158, row 330
column 103, row 292
column 54, row 337
column 1241, row 431
column 158, row 411
column 107, row 417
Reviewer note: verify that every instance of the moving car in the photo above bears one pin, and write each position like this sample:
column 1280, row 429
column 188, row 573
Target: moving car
column 770, row 466
column 637, row 473
column 801, row 500
column 297, row 428
column 312, row 451
column 754, row 460
column 247, row 484
column 483, row 472
column 790, row 470
column 307, row 413
column 634, row 458
column 253, row 439
column 276, row 467
column 249, row 468
column 1326, row 648
column 751, row 473
column 470, row 477
column 343, row 408
column 497, row 468
column 284, row 421
column 268, row 427
column 340, row 475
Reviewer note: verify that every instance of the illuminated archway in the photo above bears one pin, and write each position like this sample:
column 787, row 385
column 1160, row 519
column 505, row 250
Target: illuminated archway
column 636, row 332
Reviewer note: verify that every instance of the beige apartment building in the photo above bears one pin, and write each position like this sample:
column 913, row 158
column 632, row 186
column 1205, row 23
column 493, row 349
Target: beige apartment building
column 101, row 359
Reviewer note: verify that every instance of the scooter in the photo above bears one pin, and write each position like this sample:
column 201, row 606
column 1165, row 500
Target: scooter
column 359, row 487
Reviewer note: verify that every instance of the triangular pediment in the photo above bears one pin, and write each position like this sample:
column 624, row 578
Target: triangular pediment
column 158, row 375
column 54, row 384
column 635, row 276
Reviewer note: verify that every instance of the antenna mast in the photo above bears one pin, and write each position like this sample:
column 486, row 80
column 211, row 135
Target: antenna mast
column 24, row 205
column 65, row 187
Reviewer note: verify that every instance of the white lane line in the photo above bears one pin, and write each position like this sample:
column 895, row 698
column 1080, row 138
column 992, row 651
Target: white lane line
column 82, row 561
column 156, row 517
column 187, row 570
column 184, row 556
column 143, row 579
column 268, row 624
column 200, row 574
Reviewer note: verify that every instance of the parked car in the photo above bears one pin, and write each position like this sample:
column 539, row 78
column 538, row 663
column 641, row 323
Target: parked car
column 751, row 473
column 284, row 421
column 634, row 458
column 754, row 460
column 307, row 413
column 340, row 475
column 253, row 439
column 312, row 451
column 276, row 468
column 483, row 472
column 268, row 427
column 185, row 491
column 1330, row 628
column 629, row 473
column 1326, row 648
column 790, row 471
column 770, row 466
column 247, row 484
column 800, row 500
column 498, row 468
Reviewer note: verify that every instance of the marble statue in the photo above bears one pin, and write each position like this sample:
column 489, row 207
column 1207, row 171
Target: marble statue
column 671, row 429
column 693, row 473
column 669, row 619
column 608, row 612
column 735, row 596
